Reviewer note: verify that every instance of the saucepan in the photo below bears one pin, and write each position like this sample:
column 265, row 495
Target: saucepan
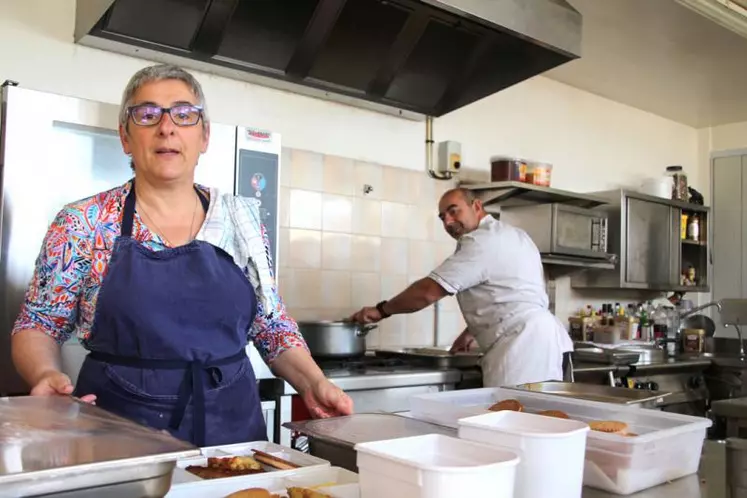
column 335, row 339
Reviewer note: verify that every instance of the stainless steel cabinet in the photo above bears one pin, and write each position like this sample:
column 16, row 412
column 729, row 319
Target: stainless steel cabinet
column 645, row 234
column 729, row 194
column 648, row 246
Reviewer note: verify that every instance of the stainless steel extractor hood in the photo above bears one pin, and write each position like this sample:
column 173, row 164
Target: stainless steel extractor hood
column 413, row 58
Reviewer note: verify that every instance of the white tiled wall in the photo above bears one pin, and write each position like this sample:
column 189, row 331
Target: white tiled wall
column 344, row 246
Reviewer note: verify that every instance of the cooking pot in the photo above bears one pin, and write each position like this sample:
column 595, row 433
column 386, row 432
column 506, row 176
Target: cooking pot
column 330, row 339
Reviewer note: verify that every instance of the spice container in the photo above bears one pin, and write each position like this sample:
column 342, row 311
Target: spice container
column 683, row 226
column 508, row 169
column 679, row 183
column 693, row 340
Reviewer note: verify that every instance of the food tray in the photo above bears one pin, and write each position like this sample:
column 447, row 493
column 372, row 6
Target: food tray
column 366, row 427
column 334, row 481
column 245, row 449
column 59, row 444
column 606, row 356
column 433, row 357
column 667, row 447
column 594, row 392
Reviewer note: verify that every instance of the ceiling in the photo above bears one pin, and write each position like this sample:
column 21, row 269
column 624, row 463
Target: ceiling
column 661, row 57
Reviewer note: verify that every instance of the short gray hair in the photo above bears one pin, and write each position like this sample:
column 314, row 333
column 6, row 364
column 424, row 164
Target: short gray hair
column 161, row 72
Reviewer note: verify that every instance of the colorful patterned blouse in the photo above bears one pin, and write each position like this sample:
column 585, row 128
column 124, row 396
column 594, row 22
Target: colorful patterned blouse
column 75, row 254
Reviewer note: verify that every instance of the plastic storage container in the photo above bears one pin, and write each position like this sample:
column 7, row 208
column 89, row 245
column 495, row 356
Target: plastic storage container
column 679, row 183
column 552, row 448
column 540, row 174
column 508, row 169
column 334, row 481
column 434, row 466
column 667, row 445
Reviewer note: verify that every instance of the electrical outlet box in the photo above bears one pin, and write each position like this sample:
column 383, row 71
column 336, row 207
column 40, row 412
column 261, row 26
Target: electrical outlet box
column 449, row 157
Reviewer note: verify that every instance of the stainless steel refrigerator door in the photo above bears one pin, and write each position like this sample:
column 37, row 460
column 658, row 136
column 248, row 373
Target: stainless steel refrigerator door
column 56, row 149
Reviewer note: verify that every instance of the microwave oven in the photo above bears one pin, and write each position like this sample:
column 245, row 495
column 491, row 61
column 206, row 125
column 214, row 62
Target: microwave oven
column 561, row 230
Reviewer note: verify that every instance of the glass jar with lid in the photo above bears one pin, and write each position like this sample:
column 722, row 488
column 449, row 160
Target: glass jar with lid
column 679, row 183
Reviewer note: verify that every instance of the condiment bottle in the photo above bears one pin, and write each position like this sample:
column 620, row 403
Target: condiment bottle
column 693, row 227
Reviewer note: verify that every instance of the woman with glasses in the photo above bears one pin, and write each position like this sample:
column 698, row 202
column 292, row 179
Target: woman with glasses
column 164, row 281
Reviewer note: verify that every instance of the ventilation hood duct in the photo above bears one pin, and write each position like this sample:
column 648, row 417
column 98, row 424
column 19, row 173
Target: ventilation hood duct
column 412, row 58
column 731, row 14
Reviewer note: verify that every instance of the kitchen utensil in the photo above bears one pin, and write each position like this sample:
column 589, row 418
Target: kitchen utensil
column 335, row 339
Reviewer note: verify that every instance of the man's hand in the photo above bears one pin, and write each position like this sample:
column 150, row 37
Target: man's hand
column 369, row 314
column 464, row 342
column 58, row 384
column 325, row 400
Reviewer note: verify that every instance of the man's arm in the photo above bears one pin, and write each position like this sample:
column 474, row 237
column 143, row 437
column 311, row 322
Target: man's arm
column 417, row 296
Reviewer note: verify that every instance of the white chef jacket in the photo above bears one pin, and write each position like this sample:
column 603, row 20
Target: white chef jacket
column 497, row 275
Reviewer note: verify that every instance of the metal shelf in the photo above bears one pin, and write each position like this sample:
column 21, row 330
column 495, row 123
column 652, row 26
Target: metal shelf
column 689, row 242
column 511, row 194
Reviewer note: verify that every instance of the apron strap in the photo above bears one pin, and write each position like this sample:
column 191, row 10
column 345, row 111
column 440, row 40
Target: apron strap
column 192, row 386
column 128, row 215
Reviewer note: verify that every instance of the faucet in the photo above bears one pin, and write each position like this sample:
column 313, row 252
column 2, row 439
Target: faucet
column 687, row 313
column 739, row 335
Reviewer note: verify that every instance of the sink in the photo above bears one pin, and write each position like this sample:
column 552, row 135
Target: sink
column 726, row 360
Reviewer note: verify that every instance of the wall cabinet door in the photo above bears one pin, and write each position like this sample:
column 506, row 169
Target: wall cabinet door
column 648, row 244
column 729, row 183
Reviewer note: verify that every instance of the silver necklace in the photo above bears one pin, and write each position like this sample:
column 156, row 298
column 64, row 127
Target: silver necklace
column 160, row 233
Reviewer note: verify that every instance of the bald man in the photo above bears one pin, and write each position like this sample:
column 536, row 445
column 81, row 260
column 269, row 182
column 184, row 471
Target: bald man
column 496, row 274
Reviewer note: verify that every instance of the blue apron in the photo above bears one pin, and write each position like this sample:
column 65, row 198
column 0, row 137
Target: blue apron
column 168, row 338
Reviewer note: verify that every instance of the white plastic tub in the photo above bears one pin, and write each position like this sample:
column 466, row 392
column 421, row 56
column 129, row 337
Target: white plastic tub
column 434, row 466
column 552, row 448
column 668, row 445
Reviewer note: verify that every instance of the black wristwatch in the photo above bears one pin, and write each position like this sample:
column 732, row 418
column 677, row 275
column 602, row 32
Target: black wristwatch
column 380, row 307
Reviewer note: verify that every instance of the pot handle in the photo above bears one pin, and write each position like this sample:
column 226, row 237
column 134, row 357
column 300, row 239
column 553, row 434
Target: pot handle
column 364, row 330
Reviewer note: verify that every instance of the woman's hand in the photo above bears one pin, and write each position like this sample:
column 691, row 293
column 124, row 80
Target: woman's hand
column 324, row 400
column 56, row 383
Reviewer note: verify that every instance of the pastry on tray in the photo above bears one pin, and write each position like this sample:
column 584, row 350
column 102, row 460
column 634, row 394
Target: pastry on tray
column 274, row 461
column 226, row 467
column 609, row 426
column 507, row 404
column 554, row 413
column 252, row 493
column 305, row 493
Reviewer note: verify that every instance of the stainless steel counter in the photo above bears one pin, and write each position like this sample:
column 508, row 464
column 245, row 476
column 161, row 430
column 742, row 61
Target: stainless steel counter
column 386, row 379
column 670, row 364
